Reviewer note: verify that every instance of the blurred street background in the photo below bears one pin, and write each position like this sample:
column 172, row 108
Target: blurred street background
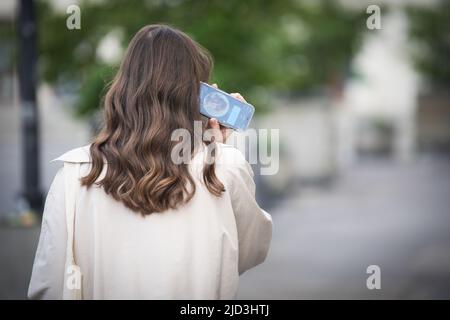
column 358, row 89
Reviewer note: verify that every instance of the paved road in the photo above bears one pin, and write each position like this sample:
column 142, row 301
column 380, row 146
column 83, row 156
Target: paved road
column 382, row 213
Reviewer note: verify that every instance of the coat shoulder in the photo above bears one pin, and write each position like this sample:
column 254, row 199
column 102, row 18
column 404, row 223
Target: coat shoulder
column 230, row 155
column 231, row 158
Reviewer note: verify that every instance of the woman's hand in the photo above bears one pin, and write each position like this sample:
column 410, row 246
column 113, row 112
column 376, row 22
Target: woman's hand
column 219, row 132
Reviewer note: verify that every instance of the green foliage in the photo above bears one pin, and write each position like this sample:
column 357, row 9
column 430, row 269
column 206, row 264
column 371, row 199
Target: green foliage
column 258, row 46
column 430, row 28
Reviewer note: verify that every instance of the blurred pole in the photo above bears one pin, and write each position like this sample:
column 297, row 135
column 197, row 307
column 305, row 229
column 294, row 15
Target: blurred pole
column 29, row 116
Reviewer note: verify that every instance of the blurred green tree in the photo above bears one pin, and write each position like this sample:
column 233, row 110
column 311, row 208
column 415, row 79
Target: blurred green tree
column 430, row 29
column 258, row 46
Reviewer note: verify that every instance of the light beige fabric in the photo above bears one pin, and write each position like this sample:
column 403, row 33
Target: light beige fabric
column 194, row 252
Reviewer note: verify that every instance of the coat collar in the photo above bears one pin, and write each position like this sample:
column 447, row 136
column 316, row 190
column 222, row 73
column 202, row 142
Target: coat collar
column 77, row 155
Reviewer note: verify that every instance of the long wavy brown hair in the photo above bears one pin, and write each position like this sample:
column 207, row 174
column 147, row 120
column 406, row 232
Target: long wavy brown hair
column 155, row 91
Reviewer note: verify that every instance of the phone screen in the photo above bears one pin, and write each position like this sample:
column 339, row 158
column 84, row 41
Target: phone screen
column 229, row 111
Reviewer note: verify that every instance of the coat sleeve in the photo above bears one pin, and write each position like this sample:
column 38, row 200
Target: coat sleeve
column 48, row 269
column 254, row 225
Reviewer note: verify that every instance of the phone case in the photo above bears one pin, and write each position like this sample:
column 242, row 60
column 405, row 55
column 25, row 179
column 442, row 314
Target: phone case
column 229, row 111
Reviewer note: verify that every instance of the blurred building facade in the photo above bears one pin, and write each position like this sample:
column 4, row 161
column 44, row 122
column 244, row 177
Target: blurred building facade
column 385, row 110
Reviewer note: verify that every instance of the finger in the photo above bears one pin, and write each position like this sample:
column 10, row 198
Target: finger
column 237, row 96
column 214, row 130
column 214, row 124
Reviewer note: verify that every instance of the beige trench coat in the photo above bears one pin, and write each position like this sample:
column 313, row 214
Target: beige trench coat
column 195, row 252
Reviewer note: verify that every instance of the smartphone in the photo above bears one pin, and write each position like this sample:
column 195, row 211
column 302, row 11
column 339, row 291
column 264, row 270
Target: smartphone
column 229, row 111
